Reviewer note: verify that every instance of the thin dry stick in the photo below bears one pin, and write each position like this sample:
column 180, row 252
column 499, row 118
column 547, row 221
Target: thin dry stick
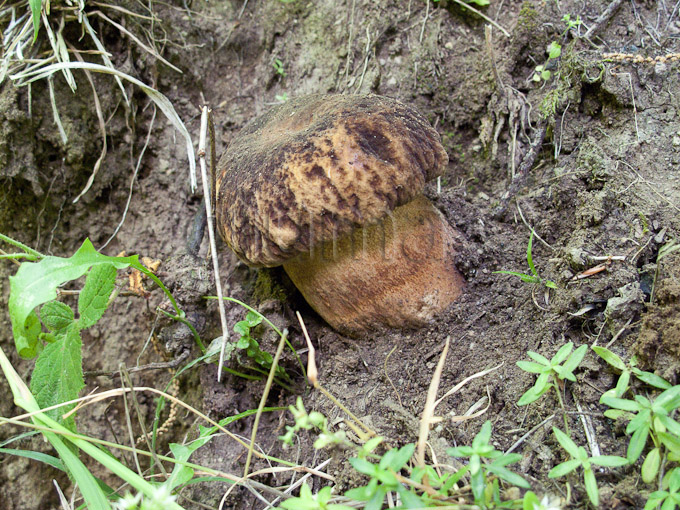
column 483, row 16
column 263, row 400
column 603, row 18
column 211, row 235
column 427, row 417
column 312, row 376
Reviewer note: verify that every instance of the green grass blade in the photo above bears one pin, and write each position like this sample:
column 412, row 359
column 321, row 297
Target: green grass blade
column 530, row 259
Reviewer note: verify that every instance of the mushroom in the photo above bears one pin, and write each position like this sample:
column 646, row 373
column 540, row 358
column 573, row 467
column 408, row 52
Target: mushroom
column 331, row 187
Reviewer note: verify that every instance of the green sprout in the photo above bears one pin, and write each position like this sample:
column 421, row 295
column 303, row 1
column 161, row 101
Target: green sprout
column 668, row 499
column 534, row 276
column 579, row 457
column 278, row 67
column 650, row 418
column 479, row 470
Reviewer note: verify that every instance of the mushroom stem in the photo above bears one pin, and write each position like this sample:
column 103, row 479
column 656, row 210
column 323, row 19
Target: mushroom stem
column 396, row 273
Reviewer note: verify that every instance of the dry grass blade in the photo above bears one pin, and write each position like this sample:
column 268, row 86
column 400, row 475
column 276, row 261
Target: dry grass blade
column 428, row 417
column 146, row 48
column 161, row 101
column 263, row 400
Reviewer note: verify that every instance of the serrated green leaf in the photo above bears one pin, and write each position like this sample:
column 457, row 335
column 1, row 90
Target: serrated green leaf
column 58, row 375
column 36, row 283
column 57, row 316
column 611, row 358
column 94, row 297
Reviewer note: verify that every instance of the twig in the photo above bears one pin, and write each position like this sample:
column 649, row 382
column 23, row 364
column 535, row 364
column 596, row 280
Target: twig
column 483, row 16
column 523, row 172
column 534, row 429
column 603, row 18
column 211, row 235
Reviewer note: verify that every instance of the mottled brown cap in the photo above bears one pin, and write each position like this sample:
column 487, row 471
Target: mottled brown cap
column 317, row 167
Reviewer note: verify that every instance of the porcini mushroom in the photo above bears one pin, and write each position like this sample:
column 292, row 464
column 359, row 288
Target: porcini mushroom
column 331, row 187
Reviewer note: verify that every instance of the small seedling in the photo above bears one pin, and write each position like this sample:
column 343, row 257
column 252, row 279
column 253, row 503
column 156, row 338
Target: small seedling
column 482, row 449
column 308, row 501
column 309, row 421
column 579, row 457
column 251, row 346
column 624, row 379
column 649, row 418
column 383, row 479
column 278, row 67
column 668, row 499
column 533, row 277
column 552, row 372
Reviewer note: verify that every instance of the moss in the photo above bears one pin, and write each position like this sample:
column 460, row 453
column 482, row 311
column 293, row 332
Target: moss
column 268, row 286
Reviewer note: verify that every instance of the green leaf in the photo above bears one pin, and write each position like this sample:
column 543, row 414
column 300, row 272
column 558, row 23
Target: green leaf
column 669, row 399
column 609, row 460
column 58, row 375
column 399, row 458
column 36, row 283
column 40, row 457
column 483, row 436
column 459, row 451
column 591, row 487
column 533, row 368
column 670, row 424
column 408, row 499
column 650, row 467
column 637, row 443
column 620, row 403
column 539, row 358
column 243, row 342
column 36, row 6
column 242, row 328
column 530, row 259
column 363, row 466
column 57, row 316
column 94, row 298
column 550, row 284
column 622, row 384
column 670, row 441
column 253, row 319
column 566, row 442
column 562, row 353
column 610, row 357
column 575, row 359
column 530, row 501
column 507, row 475
column 532, row 395
column 554, row 50
column 652, row 379
column 564, row 469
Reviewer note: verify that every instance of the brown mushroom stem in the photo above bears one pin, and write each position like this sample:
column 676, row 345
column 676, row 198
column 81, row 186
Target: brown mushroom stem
column 395, row 273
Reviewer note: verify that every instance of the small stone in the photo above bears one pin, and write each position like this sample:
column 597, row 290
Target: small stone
column 449, row 45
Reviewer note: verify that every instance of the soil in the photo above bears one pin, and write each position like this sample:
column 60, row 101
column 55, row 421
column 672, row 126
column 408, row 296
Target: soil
column 588, row 158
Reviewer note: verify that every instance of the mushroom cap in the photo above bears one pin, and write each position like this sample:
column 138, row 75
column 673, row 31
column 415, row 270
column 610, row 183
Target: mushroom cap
column 316, row 168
